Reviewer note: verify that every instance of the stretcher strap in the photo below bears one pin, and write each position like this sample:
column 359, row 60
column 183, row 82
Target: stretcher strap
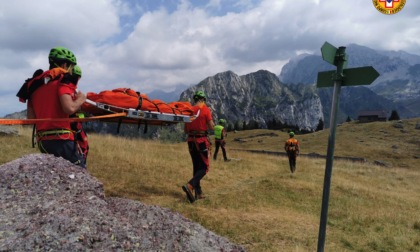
column 33, row 121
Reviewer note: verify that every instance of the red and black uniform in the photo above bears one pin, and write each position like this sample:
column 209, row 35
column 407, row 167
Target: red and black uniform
column 199, row 145
column 54, row 136
column 81, row 137
column 292, row 148
column 80, row 134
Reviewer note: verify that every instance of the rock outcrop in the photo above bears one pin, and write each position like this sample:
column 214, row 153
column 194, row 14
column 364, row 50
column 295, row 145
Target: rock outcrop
column 48, row 204
column 259, row 98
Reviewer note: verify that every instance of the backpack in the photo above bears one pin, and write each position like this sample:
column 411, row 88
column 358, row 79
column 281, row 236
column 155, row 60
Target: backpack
column 30, row 85
column 291, row 146
column 38, row 79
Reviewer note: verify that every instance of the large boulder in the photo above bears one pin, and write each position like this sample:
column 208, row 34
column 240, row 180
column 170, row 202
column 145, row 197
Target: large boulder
column 48, row 204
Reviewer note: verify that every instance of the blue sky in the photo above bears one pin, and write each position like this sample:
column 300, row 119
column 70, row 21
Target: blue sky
column 158, row 44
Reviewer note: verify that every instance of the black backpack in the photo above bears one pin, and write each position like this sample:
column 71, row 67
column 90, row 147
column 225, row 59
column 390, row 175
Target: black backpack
column 25, row 92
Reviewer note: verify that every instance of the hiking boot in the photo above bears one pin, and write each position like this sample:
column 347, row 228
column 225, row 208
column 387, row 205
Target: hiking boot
column 188, row 189
column 199, row 196
column 227, row 160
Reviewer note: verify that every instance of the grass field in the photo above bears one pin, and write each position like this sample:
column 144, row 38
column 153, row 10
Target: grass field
column 395, row 143
column 255, row 201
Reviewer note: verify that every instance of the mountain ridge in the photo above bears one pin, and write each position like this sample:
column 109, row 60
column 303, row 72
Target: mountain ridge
column 259, row 99
column 263, row 99
column 399, row 79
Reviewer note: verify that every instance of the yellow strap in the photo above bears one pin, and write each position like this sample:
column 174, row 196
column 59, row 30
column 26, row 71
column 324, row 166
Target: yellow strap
column 53, row 132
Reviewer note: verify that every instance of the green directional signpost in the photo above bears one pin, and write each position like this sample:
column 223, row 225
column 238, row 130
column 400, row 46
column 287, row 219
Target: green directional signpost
column 341, row 77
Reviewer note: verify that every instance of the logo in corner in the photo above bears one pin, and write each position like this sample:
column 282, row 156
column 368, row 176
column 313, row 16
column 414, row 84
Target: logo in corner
column 389, row 7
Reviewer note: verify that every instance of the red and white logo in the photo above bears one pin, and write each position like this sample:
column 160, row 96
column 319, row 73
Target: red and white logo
column 389, row 7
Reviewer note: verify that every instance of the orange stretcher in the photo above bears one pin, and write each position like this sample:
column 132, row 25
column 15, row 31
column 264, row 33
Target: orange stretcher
column 138, row 108
column 124, row 105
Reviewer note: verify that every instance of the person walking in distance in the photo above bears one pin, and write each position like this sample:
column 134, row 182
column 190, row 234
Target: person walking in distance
column 292, row 148
column 198, row 146
column 51, row 94
column 220, row 139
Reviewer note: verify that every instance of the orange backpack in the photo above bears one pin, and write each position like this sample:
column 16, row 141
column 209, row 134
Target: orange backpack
column 291, row 144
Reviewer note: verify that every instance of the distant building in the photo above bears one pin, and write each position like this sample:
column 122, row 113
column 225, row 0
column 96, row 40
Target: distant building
column 372, row 116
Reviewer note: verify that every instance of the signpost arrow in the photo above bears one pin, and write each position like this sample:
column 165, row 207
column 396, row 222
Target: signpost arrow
column 326, row 79
column 359, row 76
column 346, row 77
column 328, row 53
column 351, row 77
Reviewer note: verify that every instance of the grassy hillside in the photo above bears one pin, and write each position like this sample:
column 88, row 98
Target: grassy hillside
column 396, row 144
column 255, row 201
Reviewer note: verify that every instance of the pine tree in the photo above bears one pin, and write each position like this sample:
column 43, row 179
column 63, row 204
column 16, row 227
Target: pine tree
column 394, row 116
column 237, row 125
column 229, row 127
column 348, row 119
column 320, row 125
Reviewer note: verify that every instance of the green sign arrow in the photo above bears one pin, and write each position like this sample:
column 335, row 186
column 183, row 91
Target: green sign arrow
column 332, row 55
column 351, row 77
column 328, row 53
column 359, row 76
column 326, row 79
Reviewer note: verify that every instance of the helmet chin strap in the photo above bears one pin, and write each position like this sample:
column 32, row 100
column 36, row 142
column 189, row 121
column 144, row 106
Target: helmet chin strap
column 69, row 68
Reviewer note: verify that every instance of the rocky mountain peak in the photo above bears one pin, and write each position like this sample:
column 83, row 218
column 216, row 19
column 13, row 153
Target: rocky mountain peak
column 259, row 98
column 397, row 87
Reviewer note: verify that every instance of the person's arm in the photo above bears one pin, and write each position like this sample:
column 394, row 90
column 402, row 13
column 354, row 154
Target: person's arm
column 224, row 134
column 30, row 113
column 71, row 106
column 210, row 125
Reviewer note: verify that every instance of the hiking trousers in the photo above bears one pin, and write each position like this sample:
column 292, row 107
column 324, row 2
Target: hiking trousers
column 66, row 149
column 292, row 160
column 220, row 144
column 199, row 152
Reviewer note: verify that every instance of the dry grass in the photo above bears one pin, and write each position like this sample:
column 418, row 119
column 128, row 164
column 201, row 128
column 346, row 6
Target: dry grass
column 398, row 147
column 254, row 201
column 13, row 147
